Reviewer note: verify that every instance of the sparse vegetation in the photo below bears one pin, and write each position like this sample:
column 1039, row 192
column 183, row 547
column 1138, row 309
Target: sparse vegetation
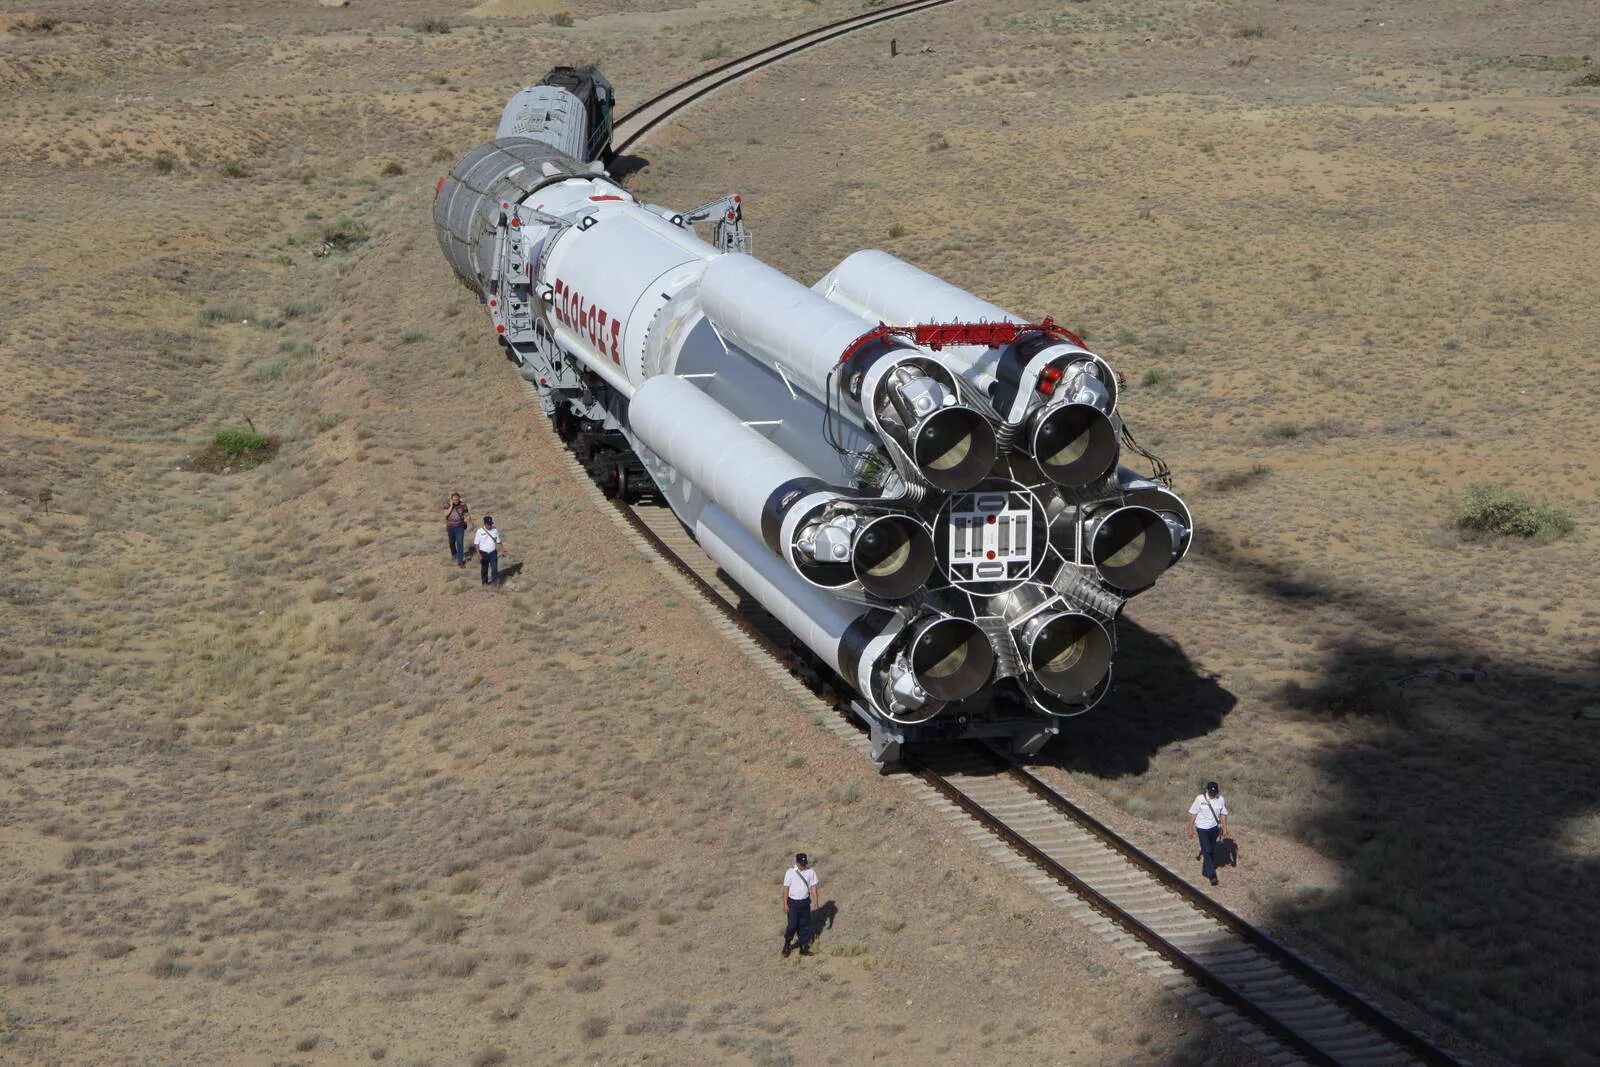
column 344, row 234
column 234, row 450
column 233, row 168
column 1250, row 32
column 1229, row 481
column 1589, row 79
column 392, row 169
column 1491, row 512
column 896, row 231
column 432, row 24
column 164, row 161
column 270, row 726
column 219, row 313
column 561, row 18
column 296, row 309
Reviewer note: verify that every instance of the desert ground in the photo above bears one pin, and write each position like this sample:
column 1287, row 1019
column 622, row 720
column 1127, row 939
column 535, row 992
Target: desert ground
column 280, row 784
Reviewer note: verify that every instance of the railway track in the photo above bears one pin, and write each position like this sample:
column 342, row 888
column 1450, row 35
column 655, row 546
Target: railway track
column 633, row 126
column 1263, row 993
column 1269, row 997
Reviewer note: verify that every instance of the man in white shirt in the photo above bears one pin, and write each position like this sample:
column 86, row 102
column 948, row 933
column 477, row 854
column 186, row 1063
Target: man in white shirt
column 487, row 542
column 799, row 897
column 1208, row 820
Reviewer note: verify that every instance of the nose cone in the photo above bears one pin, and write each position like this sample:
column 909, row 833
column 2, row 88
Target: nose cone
column 1069, row 653
column 1131, row 547
column 893, row 556
column 951, row 658
column 1075, row 444
column 954, row 448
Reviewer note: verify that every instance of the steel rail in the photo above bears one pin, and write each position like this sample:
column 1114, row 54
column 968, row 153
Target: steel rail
column 1329, row 988
column 709, row 81
column 1358, row 1007
column 1199, row 972
column 1352, row 1002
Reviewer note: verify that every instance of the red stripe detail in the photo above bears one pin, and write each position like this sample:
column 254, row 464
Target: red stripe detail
column 605, row 196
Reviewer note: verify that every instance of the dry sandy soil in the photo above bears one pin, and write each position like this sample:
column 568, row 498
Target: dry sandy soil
column 279, row 784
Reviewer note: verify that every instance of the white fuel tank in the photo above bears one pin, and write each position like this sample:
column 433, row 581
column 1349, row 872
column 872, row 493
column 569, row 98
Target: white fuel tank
column 610, row 275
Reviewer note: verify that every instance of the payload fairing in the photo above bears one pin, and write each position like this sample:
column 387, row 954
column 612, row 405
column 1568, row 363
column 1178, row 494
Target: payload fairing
column 924, row 489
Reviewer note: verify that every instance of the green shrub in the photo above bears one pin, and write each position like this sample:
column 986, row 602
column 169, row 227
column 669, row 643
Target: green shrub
column 561, row 18
column 896, row 231
column 1155, row 376
column 345, row 234
column 1247, row 32
column 232, row 168
column 391, row 169
column 164, row 162
column 432, row 24
column 239, row 442
column 1499, row 512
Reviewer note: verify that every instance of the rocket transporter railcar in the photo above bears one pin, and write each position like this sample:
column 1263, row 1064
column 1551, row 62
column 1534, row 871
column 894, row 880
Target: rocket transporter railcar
column 923, row 488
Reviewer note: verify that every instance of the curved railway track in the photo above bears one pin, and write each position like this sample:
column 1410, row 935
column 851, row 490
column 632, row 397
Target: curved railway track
column 631, row 127
column 1269, row 997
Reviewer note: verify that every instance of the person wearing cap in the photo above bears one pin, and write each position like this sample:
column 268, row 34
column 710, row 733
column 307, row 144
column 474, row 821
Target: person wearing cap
column 1208, row 820
column 799, row 897
column 487, row 542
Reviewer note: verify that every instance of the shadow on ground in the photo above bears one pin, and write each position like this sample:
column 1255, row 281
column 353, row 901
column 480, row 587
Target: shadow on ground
column 1461, row 807
column 1159, row 698
column 625, row 166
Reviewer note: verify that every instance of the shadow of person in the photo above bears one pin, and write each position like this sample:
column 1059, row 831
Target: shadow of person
column 1226, row 852
column 1159, row 697
column 822, row 919
column 1454, row 796
column 510, row 571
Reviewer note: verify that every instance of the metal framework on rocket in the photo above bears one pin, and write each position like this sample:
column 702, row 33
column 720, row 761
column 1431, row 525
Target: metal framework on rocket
column 923, row 488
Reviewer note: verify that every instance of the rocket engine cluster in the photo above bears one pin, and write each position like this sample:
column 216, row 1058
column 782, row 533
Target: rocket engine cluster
column 923, row 488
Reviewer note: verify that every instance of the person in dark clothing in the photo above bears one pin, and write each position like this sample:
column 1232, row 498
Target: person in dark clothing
column 1208, row 820
column 455, row 528
column 799, row 897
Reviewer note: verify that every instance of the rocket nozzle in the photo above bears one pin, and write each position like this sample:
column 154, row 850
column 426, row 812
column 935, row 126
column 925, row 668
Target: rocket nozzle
column 1130, row 546
column 1074, row 444
column 951, row 658
column 954, row 448
column 892, row 556
column 1068, row 652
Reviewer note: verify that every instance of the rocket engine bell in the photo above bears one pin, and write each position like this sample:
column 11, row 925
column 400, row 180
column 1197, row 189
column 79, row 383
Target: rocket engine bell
column 924, row 489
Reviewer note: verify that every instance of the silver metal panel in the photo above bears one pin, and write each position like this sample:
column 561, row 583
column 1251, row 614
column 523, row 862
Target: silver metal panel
column 549, row 114
column 480, row 188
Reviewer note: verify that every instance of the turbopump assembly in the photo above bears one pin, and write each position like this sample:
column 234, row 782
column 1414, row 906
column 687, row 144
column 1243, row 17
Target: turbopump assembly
column 924, row 489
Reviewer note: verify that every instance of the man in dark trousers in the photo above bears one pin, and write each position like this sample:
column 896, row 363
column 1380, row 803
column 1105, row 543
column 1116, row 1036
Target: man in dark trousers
column 488, row 541
column 799, row 897
column 1208, row 820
